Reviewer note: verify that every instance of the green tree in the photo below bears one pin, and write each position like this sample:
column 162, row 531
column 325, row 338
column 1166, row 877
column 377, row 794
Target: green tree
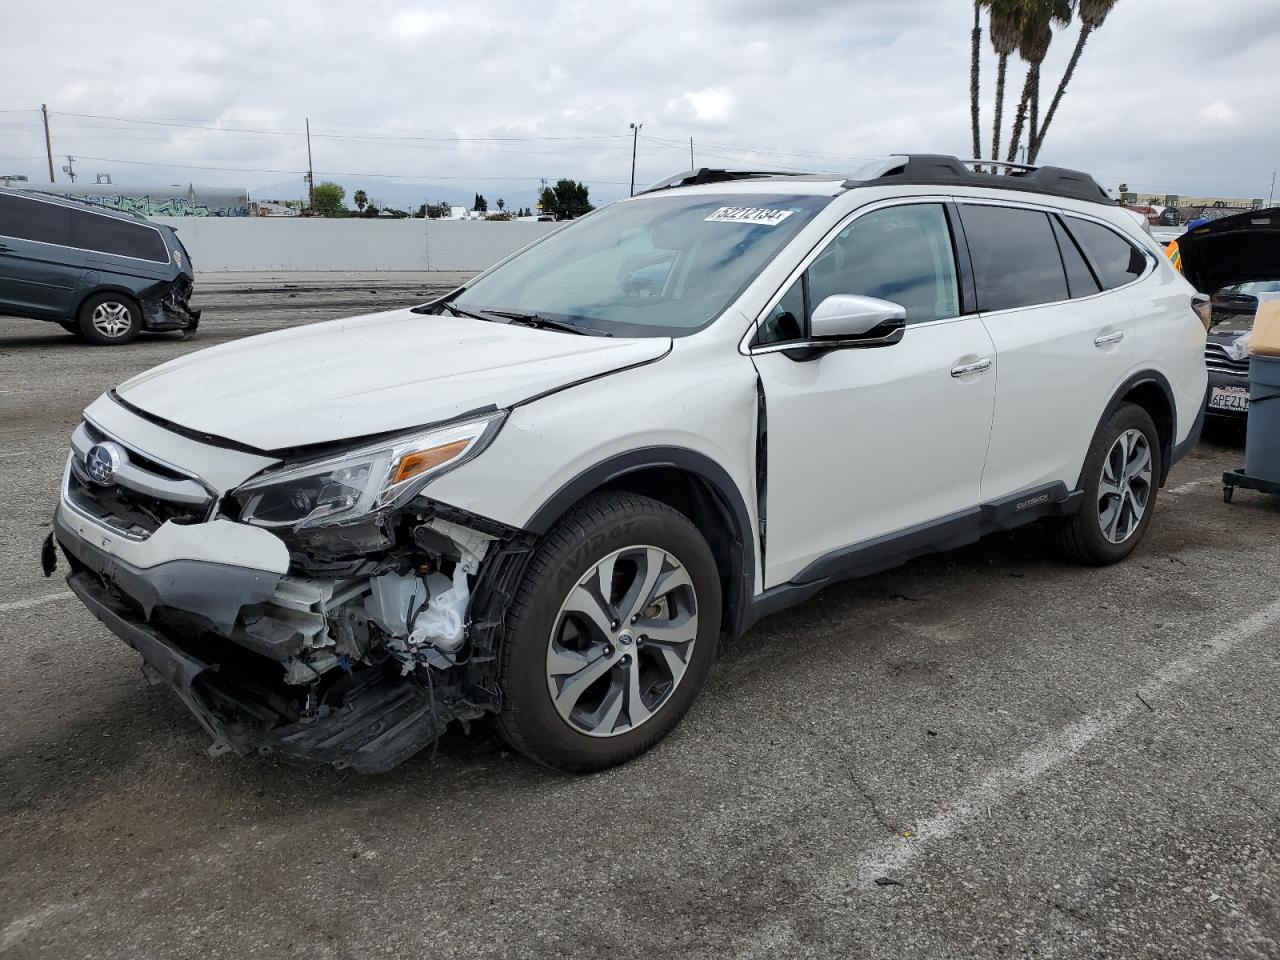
column 566, row 200
column 1005, row 28
column 1092, row 13
column 361, row 198
column 975, row 49
column 327, row 200
column 502, row 204
column 1040, row 17
column 481, row 205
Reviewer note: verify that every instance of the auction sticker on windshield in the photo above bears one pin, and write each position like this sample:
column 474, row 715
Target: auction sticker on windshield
column 761, row 215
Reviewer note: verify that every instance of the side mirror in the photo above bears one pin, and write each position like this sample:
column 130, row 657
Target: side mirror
column 845, row 320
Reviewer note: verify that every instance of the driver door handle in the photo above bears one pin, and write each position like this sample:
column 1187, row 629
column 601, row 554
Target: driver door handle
column 1103, row 339
column 967, row 368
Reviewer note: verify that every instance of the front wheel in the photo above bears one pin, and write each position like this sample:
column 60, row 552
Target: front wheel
column 1121, row 480
column 611, row 634
column 110, row 319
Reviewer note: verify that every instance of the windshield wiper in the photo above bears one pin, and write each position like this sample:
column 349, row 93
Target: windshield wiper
column 546, row 323
column 457, row 311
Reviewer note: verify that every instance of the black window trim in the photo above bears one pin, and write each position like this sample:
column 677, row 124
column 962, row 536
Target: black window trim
column 748, row 346
column 101, row 253
column 1066, row 216
column 1061, row 211
column 1062, row 231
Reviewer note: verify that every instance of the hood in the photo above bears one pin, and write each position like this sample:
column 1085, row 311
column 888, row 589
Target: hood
column 1232, row 250
column 368, row 375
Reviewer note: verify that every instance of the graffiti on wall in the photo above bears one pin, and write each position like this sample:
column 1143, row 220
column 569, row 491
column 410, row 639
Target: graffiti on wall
column 148, row 206
column 180, row 201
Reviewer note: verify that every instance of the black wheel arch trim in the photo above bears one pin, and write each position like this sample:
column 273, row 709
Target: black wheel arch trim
column 1170, row 450
column 680, row 458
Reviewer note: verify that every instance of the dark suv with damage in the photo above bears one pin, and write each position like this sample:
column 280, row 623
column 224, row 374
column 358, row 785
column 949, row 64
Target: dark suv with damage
column 103, row 275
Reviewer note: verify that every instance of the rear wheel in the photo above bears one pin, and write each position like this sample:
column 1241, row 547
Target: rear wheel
column 611, row 634
column 110, row 319
column 1121, row 481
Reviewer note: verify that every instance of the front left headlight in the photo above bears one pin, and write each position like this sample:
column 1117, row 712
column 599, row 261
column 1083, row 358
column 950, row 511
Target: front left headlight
column 362, row 481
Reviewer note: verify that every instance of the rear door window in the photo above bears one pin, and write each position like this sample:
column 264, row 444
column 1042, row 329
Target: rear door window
column 1115, row 260
column 92, row 231
column 1015, row 257
column 25, row 219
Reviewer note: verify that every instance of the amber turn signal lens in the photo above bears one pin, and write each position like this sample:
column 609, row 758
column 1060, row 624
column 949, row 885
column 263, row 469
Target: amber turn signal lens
column 413, row 464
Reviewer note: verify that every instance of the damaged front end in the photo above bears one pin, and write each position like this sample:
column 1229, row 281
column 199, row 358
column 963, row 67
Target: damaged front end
column 167, row 306
column 380, row 628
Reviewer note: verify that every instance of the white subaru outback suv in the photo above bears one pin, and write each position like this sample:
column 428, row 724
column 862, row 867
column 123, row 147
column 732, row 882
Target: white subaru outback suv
column 549, row 494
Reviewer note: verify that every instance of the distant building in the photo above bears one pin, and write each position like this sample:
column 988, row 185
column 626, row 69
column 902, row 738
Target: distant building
column 275, row 208
column 1180, row 209
column 174, row 201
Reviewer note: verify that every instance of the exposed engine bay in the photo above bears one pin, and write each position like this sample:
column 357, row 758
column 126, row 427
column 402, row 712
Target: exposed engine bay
column 380, row 634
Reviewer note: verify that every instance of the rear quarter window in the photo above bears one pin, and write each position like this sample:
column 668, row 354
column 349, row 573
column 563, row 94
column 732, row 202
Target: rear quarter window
column 91, row 231
column 25, row 219
column 1114, row 259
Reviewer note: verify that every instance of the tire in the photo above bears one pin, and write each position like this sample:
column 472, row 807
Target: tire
column 72, row 327
column 559, row 634
column 1094, row 534
column 110, row 319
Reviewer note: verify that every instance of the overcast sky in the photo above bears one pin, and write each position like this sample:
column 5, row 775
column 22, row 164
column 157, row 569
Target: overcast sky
column 1177, row 96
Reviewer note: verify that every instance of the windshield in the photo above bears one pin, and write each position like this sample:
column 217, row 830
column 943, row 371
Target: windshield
column 657, row 266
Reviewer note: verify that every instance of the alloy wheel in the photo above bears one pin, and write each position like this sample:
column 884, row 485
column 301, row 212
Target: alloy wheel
column 112, row 319
column 622, row 641
column 1125, row 486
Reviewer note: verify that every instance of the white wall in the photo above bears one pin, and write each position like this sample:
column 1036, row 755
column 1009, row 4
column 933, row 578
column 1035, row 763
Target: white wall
column 298, row 243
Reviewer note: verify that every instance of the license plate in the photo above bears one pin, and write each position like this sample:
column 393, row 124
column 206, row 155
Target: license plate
column 1235, row 399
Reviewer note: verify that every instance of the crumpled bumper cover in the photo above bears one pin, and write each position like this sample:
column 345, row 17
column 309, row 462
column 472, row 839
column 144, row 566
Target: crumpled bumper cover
column 380, row 721
column 213, row 591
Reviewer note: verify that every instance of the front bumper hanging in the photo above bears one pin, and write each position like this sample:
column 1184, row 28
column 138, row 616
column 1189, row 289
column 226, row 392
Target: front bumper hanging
column 373, row 724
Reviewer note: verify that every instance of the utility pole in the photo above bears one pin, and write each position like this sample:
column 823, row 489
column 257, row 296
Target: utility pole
column 70, row 168
column 1272, row 195
column 635, row 137
column 48, row 144
column 692, row 165
column 311, row 172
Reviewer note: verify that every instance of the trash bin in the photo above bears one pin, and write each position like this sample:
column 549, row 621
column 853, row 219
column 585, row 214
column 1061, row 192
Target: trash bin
column 1262, row 439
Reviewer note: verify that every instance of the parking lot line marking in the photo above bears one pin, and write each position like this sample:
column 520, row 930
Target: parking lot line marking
column 35, row 601
column 892, row 857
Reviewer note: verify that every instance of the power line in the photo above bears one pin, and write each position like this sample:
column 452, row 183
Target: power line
column 331, row 173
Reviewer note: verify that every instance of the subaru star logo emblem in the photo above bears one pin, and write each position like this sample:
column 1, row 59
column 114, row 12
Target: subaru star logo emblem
column 102, row 461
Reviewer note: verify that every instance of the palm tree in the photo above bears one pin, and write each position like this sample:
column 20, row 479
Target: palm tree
column 1033, row 45
column 1092, row 13
column 1005, row 27
column 974, row 113
column 361, row 199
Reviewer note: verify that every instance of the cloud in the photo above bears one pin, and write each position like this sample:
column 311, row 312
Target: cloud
column 1218, row 114
column 713, row 105
column 494, row 88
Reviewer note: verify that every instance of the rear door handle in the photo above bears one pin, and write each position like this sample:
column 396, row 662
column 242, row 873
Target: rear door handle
column 1106, row 338
column 967, row 368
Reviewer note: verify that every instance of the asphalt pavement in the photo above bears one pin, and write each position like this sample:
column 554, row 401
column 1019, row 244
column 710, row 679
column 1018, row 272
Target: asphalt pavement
column 987, row 753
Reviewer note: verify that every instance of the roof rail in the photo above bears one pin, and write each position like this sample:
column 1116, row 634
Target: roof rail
column 942, row 170
column 925, row 169
column 715, row 175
